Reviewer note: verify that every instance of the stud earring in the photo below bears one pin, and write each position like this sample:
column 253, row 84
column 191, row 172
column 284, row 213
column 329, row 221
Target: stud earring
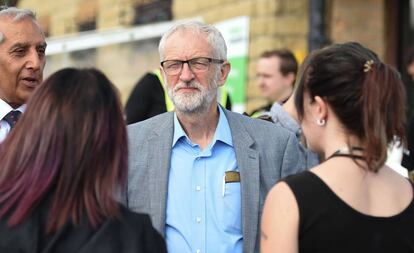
column 320, row 122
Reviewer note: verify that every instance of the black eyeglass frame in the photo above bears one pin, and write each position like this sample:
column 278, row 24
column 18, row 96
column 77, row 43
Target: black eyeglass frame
column 189, row 62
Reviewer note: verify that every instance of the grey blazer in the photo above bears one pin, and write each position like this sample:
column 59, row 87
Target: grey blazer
column 265, row 153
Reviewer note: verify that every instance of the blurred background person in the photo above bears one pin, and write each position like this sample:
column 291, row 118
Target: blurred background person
column 22, row 60
column 149, row 98
column 62, row 168
column 276, row 74
column 350, row 105
column 408, row 155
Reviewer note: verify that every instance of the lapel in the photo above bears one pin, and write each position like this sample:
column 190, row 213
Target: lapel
column 248, row 163
column 159, row 146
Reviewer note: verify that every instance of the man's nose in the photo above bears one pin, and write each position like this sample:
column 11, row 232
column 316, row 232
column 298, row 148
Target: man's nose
column 186, row 73
column 34, row 60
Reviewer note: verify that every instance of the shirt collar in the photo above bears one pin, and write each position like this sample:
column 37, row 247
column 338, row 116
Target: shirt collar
column 6, row 108
column 178, row 130
column 222, row 133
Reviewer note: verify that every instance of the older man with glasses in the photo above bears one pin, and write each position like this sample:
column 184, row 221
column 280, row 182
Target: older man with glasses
column 202, row 172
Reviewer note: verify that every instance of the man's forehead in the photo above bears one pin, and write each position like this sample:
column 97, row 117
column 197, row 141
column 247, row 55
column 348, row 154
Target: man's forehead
column 6, row 22
column 270, row 61
column 186, row 32
column 9, row 19
column 13, row 28
column 187, row 39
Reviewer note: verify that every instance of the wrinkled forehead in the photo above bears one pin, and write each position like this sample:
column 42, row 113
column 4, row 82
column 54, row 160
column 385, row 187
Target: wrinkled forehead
column 9, row 25
column 187, row 33
column 187, row 40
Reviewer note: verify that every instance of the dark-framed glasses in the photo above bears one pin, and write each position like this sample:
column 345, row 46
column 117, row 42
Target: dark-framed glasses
column 196, row 65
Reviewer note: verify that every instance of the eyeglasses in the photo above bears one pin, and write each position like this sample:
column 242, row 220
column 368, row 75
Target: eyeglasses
column 196, row 65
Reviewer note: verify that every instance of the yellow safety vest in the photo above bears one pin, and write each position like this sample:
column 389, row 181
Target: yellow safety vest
column 169, row 104
column 223, row 96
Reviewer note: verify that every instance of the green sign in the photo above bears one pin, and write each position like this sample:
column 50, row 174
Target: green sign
column 236, row 34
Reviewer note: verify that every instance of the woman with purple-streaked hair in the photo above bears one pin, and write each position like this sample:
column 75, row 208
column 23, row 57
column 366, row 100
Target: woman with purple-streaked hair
column 62, row 169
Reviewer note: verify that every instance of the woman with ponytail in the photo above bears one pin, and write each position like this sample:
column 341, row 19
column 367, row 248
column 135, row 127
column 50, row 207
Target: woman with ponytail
column 350, row 106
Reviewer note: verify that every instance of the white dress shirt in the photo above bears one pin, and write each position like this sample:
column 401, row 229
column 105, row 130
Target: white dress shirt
column 4, row 109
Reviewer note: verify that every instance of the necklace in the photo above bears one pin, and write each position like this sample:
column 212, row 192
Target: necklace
column 347, row 152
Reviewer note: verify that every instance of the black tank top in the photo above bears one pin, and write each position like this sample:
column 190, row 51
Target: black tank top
column 328, row 224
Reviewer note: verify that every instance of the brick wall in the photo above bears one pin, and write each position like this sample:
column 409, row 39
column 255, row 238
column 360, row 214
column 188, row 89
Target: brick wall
column 361, row 21
column 273, row 24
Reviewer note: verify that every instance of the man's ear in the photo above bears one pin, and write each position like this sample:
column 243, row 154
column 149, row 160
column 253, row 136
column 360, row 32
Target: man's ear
column 224, row 72
column 161, row 70
column 290, row 78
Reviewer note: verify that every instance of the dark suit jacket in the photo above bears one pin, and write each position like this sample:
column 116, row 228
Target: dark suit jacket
column 131, row 233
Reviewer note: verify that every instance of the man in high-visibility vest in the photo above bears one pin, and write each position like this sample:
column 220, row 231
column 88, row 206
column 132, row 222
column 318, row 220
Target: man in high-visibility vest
column 149, row 98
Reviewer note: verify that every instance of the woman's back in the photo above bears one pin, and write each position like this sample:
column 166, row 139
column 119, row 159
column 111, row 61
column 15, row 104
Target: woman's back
column 382, row 194
column 336, row 217
column 130, row 233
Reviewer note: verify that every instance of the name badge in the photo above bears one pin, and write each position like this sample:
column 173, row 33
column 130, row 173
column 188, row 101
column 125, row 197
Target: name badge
column 232, row 177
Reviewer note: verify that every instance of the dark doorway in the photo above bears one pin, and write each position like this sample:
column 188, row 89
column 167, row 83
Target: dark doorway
column 400, row 41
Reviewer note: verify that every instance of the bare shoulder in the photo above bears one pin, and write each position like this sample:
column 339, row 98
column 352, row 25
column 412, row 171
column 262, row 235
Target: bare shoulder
column 399, row 184
column 280, row 220
column 280, row 201
column 281, row 189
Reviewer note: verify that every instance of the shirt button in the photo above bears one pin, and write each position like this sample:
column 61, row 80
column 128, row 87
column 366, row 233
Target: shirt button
column 198, row 188
column 198, row 219
column 198, row 251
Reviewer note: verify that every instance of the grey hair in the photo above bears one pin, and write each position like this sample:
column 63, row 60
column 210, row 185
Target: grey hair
column 17, row 14
column 213, row 35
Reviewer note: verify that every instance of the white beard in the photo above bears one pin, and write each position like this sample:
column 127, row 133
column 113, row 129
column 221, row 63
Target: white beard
column 194, row 102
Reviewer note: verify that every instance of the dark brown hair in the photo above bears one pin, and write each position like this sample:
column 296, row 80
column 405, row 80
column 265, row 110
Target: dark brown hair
column 68, row 148
column 288, row 63
column 369, row 104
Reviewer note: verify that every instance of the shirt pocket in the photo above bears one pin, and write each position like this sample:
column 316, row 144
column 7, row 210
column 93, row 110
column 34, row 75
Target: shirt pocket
column 230, row 214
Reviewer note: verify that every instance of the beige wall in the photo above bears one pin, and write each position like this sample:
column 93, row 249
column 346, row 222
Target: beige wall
column 273, row 24
column 362, row 21
column 60, row 20
column 124, row 63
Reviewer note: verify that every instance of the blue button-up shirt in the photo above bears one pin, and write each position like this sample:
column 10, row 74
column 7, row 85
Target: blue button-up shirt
column 203, row 212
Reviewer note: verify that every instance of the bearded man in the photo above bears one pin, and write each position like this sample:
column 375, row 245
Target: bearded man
column 202, row 172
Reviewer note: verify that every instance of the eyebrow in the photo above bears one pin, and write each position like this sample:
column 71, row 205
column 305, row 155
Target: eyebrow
column 18, row 45
column 25, row 45
column 44, row 44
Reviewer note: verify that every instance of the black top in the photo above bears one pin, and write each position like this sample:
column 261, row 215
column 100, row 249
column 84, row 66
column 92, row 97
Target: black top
column 328, row 224
column 146, row 100
column 408, row 158
column 131, row 233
